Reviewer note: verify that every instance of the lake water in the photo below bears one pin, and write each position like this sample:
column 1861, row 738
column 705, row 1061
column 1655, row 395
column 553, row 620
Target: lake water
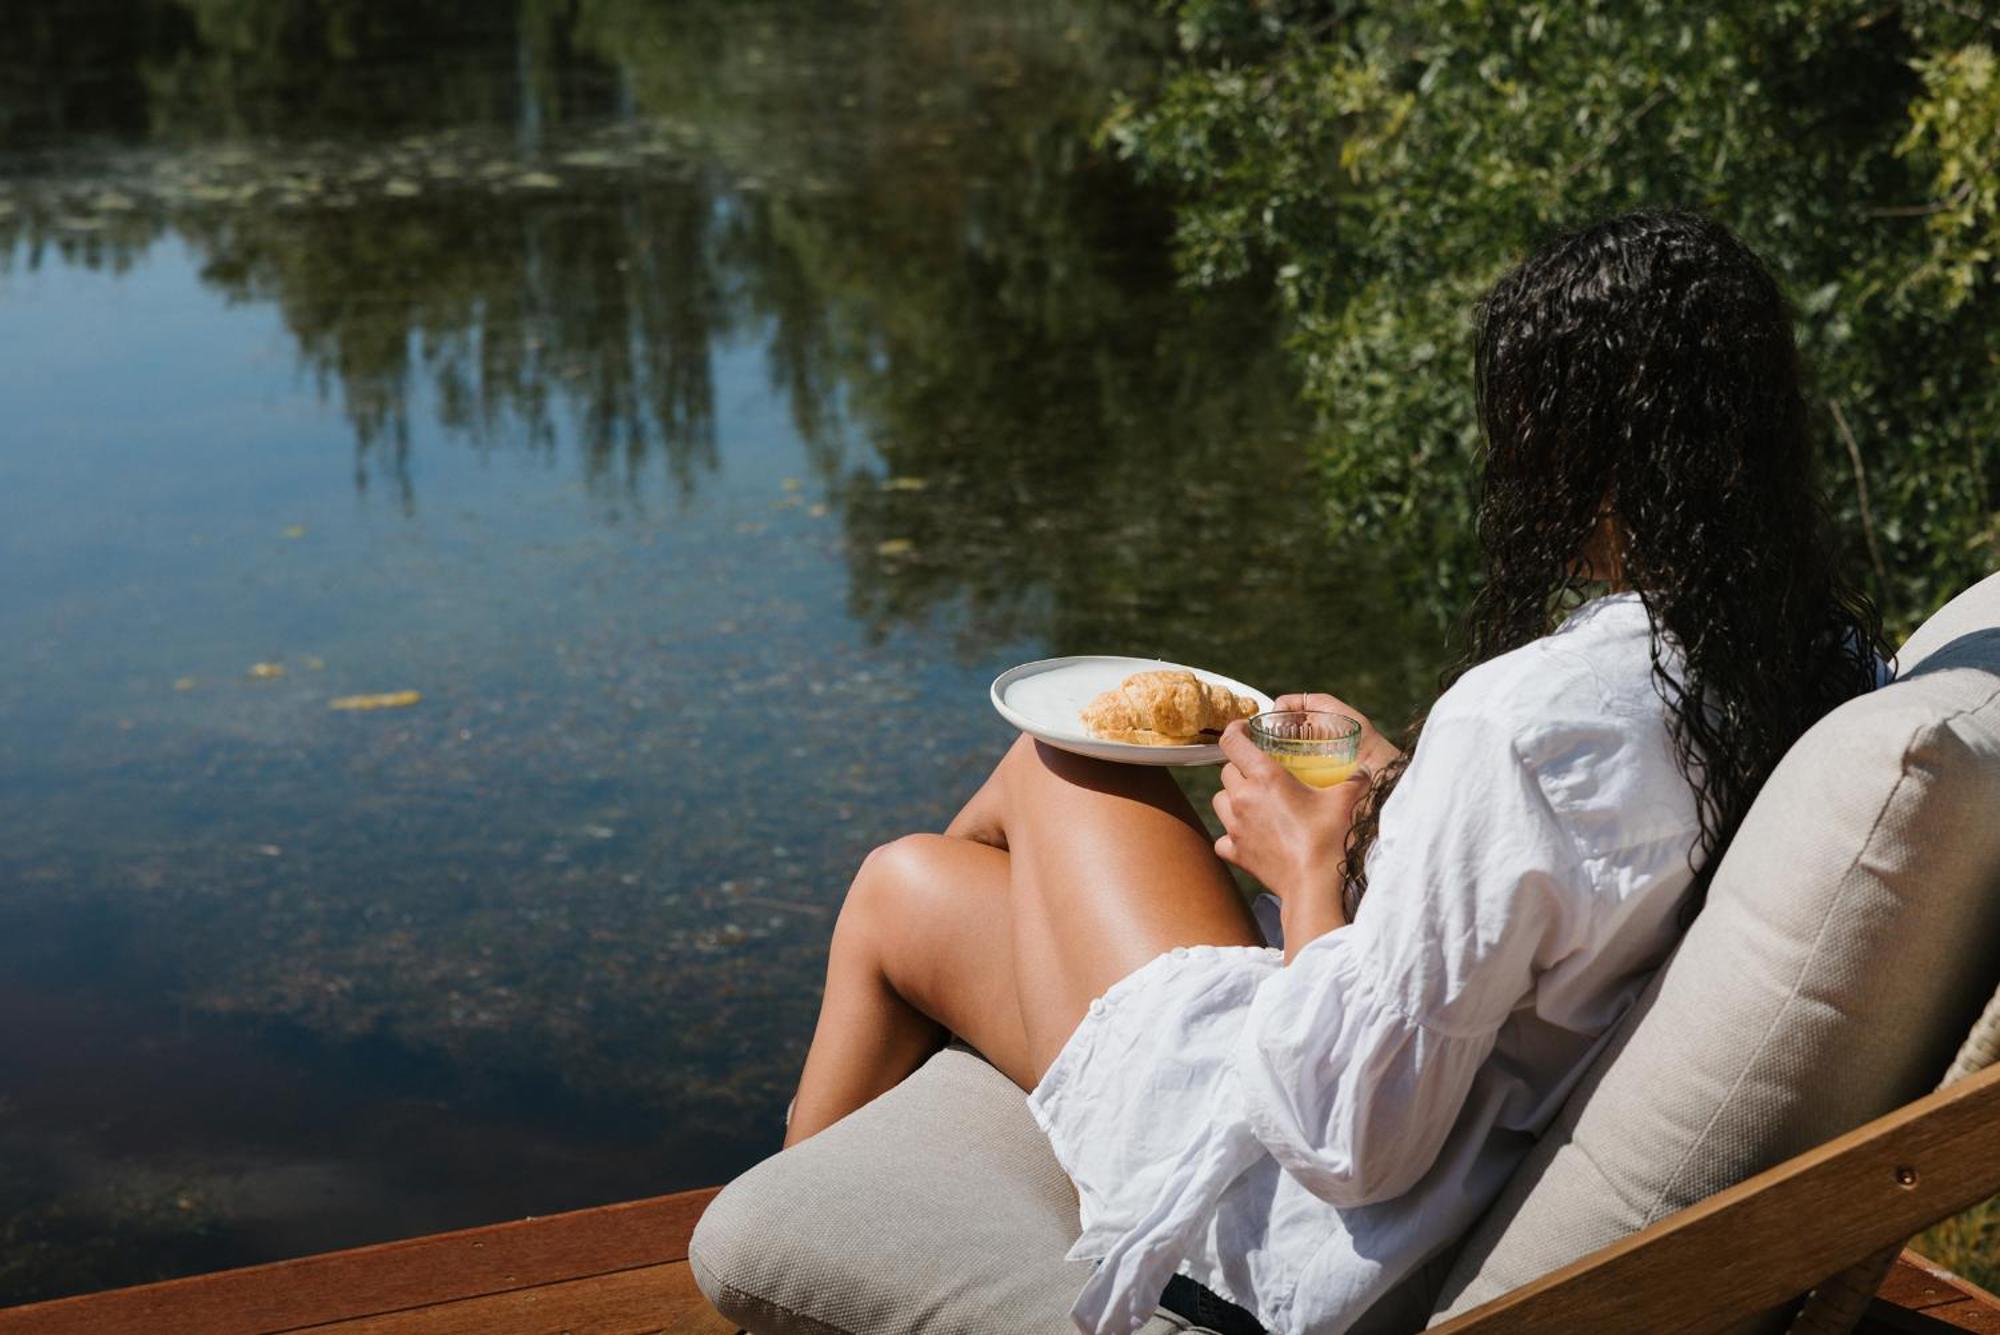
column 697, row 405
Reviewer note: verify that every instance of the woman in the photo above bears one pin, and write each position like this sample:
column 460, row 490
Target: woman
column 1297, row 1127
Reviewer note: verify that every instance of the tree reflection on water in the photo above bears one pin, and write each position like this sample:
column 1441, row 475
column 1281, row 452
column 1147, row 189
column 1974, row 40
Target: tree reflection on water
column 539, row 229
column 905, row 210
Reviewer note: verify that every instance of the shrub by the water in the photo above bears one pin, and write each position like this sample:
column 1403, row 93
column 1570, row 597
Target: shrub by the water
column 1382, row 164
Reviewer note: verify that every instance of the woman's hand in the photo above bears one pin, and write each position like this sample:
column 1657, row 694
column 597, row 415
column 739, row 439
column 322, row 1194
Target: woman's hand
column 1377, row 751
column 1289, row 836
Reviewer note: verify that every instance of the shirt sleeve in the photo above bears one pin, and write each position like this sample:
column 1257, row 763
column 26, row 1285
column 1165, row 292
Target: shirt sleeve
column 1356, row 1059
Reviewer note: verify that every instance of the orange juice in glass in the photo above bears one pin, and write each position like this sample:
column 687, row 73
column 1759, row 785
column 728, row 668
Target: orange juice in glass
column 1318, row 746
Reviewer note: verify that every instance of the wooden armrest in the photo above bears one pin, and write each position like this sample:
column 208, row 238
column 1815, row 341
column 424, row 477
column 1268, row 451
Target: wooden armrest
column 1772, row 1237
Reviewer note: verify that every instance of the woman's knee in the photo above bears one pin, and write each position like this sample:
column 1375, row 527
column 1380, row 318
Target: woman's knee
column 891, row 889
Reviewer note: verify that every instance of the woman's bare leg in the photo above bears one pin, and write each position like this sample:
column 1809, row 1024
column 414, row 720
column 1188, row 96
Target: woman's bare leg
column 1108, row 867
column 887, row 1005
column 1060, row 877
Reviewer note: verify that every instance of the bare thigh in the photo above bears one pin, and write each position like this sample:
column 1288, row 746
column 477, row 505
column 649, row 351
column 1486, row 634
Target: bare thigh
column 1107, row 867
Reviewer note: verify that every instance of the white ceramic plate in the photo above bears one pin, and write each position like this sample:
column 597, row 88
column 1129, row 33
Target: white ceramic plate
column 1045, row 699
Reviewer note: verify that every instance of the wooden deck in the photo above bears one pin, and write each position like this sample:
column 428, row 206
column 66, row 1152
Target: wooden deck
column 614, row 1270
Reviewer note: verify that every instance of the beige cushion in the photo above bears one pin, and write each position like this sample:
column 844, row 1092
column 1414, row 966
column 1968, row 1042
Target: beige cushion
column 1848, row 942
column 938, row 1208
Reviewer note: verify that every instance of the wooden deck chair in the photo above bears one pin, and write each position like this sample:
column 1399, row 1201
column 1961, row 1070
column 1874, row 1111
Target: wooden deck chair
column 1751, row 1248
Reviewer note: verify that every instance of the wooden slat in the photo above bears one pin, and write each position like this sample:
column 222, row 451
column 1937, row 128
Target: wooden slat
column 1885, row 1318
column 1768, row 1239
column 647, row 1301
column 389, row 1277
column 1918, row 1284
column 1915, row 1283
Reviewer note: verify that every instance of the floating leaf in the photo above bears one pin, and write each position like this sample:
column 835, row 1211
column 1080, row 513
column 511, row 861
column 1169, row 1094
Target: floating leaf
column 905, row 484
column 895, row 547
column 537, row 181
column 791, row 484
column 816, row 510
column 295, row 530
column 183, row 683
column 267, row 670
column 386, row 700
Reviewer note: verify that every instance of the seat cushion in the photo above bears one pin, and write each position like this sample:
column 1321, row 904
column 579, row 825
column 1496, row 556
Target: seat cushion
column 936, row 1208
column 1848, row 941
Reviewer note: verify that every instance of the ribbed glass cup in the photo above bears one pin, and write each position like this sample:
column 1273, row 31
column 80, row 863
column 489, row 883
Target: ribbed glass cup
column 1318, row 746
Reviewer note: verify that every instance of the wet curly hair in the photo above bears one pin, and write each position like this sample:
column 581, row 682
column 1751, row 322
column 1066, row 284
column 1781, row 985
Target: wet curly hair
column 1642, row 370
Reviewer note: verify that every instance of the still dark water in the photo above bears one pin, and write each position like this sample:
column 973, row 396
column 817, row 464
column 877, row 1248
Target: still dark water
column 697, row 404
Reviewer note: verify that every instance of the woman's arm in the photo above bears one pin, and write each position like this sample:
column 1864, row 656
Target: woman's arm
column 1291, row 837
column 1307, row 917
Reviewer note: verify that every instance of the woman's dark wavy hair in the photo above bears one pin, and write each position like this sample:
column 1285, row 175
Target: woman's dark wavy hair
column 1643, row 368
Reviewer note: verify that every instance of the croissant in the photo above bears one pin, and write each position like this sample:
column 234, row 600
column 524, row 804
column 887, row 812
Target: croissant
column 1163, row 707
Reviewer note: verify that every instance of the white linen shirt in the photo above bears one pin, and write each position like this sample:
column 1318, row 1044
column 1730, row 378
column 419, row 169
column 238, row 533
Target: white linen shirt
column 1300, row 1138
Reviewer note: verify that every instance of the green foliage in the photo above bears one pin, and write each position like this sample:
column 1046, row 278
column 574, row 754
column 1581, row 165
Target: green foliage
column 1956, row 126
column 1382, row 165
column 1967, row 1244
